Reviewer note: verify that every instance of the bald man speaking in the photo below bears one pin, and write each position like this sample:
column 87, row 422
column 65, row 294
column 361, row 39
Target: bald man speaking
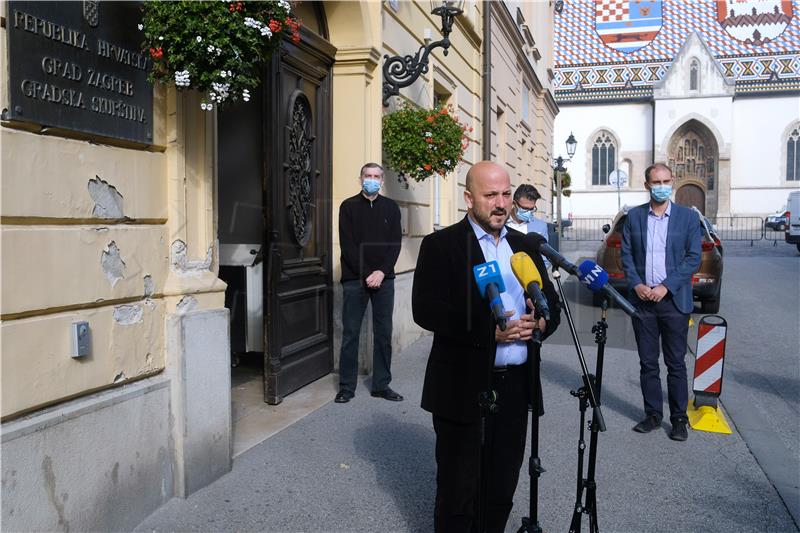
column 447, row 301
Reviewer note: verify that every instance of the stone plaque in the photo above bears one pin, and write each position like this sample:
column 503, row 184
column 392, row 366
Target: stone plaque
column 78, row 66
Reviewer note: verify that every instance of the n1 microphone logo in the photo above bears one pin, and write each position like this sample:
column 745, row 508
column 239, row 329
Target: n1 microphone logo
column 593, row 275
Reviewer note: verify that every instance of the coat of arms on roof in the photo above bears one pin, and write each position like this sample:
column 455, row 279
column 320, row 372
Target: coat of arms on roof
column 627, row 25
column 754, row 21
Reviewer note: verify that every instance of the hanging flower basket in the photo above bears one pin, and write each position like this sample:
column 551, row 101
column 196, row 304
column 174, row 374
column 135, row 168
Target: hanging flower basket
column 216, row 48
column 420, row 142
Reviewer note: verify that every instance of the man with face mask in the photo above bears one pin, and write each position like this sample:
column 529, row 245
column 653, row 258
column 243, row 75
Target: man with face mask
column 523, row 214
column 660, row 252
column 369, row 236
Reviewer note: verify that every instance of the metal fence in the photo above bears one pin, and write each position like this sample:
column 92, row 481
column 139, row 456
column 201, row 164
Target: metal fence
column 586, row 229
column 727, row 229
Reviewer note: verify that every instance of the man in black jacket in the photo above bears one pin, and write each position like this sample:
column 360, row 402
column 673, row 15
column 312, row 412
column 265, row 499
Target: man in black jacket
column 369, row 235
column 471, row 355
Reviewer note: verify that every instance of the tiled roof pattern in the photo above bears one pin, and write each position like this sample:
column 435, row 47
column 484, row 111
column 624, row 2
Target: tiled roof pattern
column 583, row 62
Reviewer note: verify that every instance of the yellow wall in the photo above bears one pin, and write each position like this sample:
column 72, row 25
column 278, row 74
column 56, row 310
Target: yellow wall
column 62, row 263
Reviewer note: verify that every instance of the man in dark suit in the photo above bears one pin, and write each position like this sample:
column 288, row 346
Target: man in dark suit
column 660, row 252
column 471, row 355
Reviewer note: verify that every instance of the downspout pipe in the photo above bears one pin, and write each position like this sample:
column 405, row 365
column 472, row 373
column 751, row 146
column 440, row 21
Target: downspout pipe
column 486, row 148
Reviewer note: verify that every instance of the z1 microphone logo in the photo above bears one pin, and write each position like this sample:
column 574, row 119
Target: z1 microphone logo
column 486, row 269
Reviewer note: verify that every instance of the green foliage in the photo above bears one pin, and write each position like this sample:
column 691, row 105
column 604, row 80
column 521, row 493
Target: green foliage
column 566, row 181
column 419, row 142
column 214, row 47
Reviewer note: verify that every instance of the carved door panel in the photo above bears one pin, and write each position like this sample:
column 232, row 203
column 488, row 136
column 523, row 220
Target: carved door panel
column 298, row 280
column 691, row 194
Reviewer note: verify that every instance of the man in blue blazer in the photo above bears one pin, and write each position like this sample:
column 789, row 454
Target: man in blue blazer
column 660, row 252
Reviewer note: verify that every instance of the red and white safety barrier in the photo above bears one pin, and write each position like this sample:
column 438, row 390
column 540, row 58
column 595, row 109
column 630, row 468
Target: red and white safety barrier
column 708, row 366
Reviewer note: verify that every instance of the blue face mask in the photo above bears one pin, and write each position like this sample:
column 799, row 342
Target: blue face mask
column 371, row 186
column 525, row 215
column 661, row 193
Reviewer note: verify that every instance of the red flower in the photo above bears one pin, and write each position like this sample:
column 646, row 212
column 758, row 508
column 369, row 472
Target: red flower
column 274, row 26
column 156, row 53
column 429, row 119
column 295, row 37
column 427, row 166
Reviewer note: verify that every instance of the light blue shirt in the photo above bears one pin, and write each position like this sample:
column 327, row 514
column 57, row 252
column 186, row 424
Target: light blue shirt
column 656, row 257
column 508, row 353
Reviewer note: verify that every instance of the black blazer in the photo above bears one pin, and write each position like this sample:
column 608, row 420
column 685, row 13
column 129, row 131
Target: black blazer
column 445, row 300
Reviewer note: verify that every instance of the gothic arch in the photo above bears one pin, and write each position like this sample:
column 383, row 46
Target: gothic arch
column 693, row 156
column 782, row 161
column 589, row 144
column 724, row 149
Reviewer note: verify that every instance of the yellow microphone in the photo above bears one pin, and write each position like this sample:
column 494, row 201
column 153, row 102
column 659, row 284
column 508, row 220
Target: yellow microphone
column 528, row 276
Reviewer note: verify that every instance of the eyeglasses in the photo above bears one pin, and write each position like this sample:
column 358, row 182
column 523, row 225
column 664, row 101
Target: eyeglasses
column 522, row 207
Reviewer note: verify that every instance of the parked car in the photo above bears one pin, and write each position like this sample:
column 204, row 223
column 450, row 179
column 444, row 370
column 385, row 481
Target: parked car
column 792, row 234
column 706, row 282
column 778, row 221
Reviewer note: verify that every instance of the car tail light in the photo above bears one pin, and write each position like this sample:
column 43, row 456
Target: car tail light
column 707, row 246
column 717, row 242
column 614, row 241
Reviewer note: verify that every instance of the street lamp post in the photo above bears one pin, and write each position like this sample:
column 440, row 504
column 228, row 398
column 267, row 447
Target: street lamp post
column 558, row 166
column 402, row 71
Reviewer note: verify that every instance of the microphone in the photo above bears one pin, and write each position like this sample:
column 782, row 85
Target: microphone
column 529, row 277
column 541, row 246
column 490, row 284
column 596, row 279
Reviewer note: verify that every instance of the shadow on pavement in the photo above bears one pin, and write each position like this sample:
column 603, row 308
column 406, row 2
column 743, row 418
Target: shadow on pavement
column 403, row 457
column 570, row 378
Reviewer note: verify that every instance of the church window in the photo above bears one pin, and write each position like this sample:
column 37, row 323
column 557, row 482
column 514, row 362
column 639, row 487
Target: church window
column 603, row 158
column 694, row 76
column 793, row 155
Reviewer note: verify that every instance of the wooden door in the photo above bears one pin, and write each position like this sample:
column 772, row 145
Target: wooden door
column 691, row 194
column 298, row 279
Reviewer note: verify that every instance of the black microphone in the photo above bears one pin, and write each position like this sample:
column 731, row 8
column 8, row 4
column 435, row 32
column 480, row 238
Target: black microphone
column 490, row 284
column 540, row 245
column 596, row 279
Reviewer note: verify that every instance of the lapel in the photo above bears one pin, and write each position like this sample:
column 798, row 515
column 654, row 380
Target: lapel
column 469, row 245
column 644, row 213
column 672, row 232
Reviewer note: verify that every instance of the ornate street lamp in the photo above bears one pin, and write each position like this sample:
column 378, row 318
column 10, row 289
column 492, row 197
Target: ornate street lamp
column 558, row 166
column 402, row 71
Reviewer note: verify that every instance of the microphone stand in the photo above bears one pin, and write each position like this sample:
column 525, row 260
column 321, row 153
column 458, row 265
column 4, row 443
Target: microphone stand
column 487, row 402
column 530, row 523
column 588, row 483
column 589, row 393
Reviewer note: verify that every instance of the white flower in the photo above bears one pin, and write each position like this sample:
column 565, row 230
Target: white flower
column 160, row 38
column 140, row 27
column 246, row 95
column 199, row 39
column 219, row 50
column 210, row 48
column 182, row 78
column 284, row 4
column 223, row 73
column 250, row 22
column 229, row 73
column 447, row 162
column 266, row 32
column 428, row 134
column 205, row 107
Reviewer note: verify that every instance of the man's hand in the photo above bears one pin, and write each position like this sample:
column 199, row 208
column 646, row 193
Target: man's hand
column 643, row 292
column 375, row 279
column 518, row 330
column 658, row 292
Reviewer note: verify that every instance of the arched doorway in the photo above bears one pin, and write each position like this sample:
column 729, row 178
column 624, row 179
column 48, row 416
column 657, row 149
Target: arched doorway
column 274, row 205
column 693, row 156
column 691, row 194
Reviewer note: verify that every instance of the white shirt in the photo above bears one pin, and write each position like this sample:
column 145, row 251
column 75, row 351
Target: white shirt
column 508, row 353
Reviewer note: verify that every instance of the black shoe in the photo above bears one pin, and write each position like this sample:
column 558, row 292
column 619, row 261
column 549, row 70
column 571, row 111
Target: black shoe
column 387, row 394
column 679, row 431
column 343, row 396
column 647, row 425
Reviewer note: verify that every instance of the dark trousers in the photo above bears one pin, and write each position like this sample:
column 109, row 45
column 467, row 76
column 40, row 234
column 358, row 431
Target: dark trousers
column 354, row 303
column 458, row 459
column 661, row 321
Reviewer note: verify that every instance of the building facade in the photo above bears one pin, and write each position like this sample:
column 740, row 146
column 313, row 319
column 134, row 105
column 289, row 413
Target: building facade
column 162, row 255
column 710, row 88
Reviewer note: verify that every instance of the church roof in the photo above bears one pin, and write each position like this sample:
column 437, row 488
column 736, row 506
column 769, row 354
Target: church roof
column 617, row 49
